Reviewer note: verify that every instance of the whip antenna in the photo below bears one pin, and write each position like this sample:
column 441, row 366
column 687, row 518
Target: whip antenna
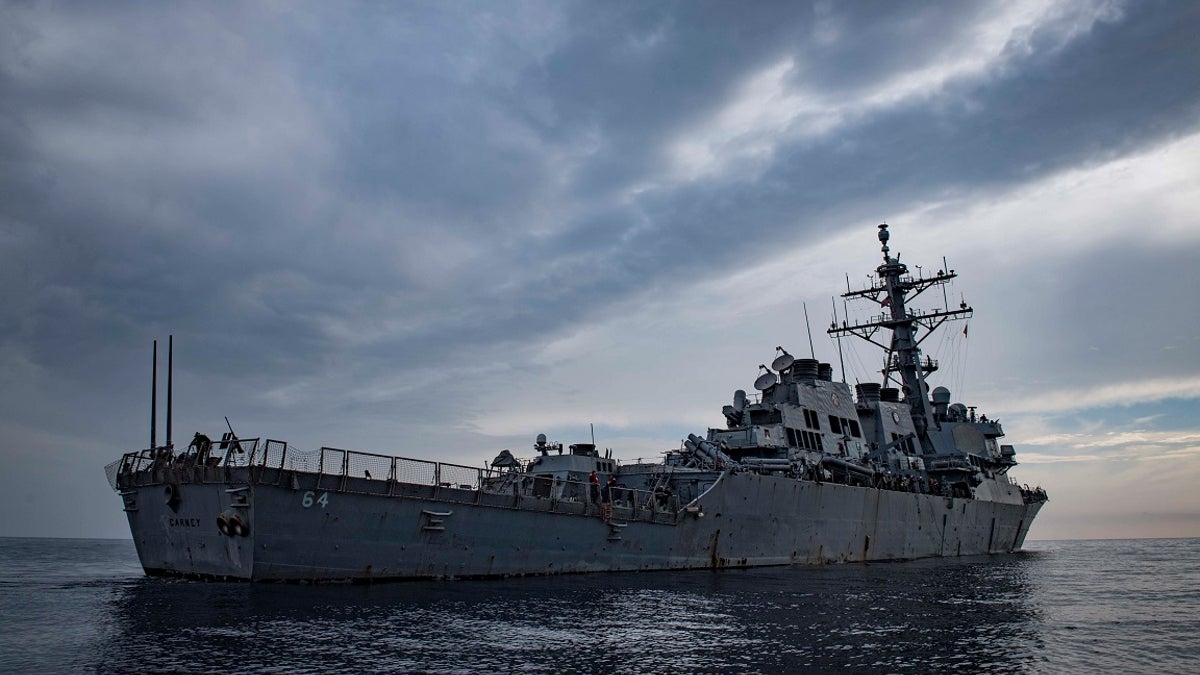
column 811, row 352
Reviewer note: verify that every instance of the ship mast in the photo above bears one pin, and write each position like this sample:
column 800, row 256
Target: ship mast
column 897, row 288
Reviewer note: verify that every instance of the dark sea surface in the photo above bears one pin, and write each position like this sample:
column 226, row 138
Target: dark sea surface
column 1085, row 606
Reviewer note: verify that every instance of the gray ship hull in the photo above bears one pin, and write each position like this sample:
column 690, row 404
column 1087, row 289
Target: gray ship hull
column 300, row 531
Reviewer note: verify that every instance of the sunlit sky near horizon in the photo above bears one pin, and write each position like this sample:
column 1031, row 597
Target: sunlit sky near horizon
column 439, row 229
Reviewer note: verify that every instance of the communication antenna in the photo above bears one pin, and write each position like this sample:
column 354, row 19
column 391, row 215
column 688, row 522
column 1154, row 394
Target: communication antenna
column 945, row 271
column 766, row 380
column 783, row 361
column 170, row 373
column 811, row 352
column 154, row 398
column 841, row 361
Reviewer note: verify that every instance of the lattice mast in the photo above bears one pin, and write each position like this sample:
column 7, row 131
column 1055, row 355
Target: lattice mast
column 894, row 288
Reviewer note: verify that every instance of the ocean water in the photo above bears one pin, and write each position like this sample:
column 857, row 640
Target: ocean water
column 1084, row 606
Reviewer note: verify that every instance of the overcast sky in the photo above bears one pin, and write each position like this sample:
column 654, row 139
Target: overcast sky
column 439, row 229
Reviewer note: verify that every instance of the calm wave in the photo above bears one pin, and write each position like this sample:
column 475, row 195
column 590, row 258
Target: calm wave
column 83, row 605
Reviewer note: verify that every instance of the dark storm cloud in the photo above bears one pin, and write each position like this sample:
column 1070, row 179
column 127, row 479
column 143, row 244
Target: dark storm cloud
column 315, row 192
column 1051, row 108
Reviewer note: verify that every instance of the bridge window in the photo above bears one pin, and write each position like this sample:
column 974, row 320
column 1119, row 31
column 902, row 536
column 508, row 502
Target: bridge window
column 809, row 440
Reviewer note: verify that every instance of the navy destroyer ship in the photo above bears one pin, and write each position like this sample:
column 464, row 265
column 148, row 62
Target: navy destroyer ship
column 804, row 470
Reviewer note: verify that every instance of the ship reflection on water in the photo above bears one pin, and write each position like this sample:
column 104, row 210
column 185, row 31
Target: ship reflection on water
column 954, row 614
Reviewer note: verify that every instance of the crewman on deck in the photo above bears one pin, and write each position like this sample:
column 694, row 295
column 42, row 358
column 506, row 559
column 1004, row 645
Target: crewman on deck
column 606, row 499
column 662, row 494
column 594, row 487
column 202, row 445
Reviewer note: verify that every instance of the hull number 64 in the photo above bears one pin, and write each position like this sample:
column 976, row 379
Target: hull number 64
column 309, row 499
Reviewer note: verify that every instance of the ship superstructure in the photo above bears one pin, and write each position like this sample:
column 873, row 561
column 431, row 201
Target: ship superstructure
column 805, row 470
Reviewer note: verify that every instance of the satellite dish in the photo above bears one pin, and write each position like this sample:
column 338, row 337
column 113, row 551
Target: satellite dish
column 783, row 361
column 766, row 380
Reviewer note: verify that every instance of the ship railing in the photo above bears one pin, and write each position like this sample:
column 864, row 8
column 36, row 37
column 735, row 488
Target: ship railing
column 1033, row 495
column 165, row 464
column 344, row 470
column 274, row 456
column 640, row 503
column 129, row 463
column 341, row 469
column 274, row 461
